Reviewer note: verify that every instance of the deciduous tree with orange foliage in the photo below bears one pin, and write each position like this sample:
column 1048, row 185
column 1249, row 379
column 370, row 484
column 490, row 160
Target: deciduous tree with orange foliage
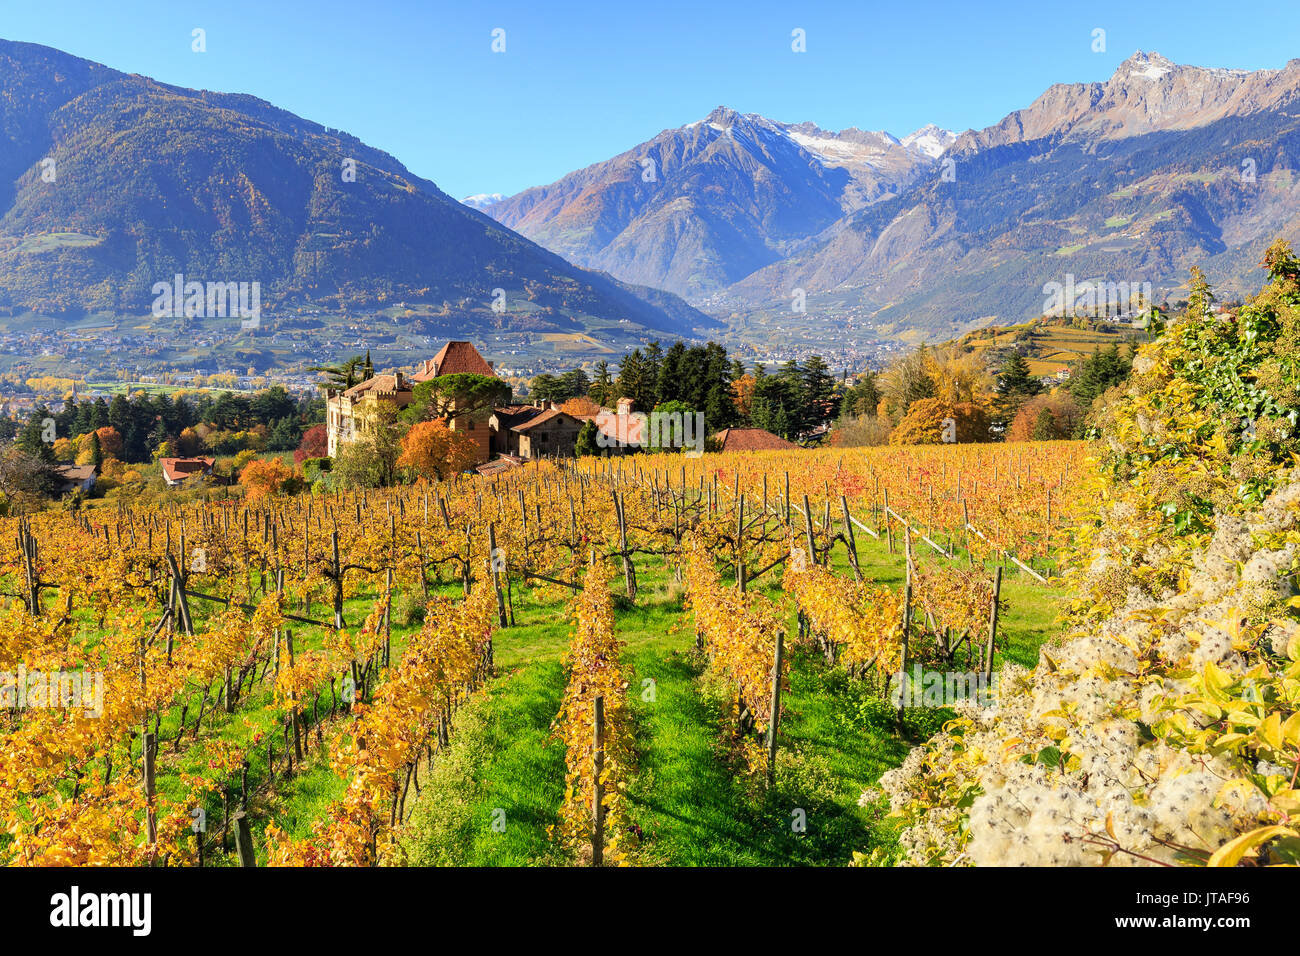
column 742, row 390
column 924, row 423
column 264, row 477
column 110, row 440
column 580, row 407
column 1062, row 419
column 433, row 450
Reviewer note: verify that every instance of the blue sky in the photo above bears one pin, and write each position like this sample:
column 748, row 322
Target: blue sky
column 580, row 82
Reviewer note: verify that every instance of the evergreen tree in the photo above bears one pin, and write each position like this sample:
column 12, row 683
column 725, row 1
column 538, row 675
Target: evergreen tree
column 1044, row 426
column 1014, row 378
column 574, row 384
column 99, row 414
column 818, row 390
column 862, row 399
column 1104, row 369
column 284, row 435
column 719, row 405
column 602, row 390
column 670, row 386
column 31, row 439
column 793, row 399
column 631, row 377
column 776, row 400
column 651, row 369
column 586, row 442
column 543, row 388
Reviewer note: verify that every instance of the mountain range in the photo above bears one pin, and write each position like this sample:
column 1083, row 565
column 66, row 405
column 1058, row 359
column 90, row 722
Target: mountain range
column 110, row 183
column 699, row 208
column 1135, row 179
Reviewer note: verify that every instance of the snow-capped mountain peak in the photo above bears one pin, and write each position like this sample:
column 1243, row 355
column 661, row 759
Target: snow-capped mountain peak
column 930, row 139
column 1145, row 66
column 481, row 201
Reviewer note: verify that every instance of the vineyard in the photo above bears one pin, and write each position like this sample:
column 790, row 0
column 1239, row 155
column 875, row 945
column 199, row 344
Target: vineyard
column 658, row 659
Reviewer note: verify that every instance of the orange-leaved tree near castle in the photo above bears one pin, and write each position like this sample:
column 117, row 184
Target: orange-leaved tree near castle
column 433, row 450
column 264, row 477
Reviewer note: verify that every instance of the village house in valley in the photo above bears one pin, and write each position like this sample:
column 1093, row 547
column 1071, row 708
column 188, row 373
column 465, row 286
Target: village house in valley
column 76, row 478
column 534, row 431
column 177, row 471
column 548, row 434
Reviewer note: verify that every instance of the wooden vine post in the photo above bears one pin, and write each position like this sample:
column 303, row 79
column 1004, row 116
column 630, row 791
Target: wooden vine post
column 808, row 529
column 496, row 575
column 907, row 628
column 848, row 538
column 965, row 530
column 993, row 622
column 150, row 756
column 629, row 570
column 338, row 580
column 244, row 839
column 740, row 541
column 774, row 718
column 889, row 528
column 388, row 613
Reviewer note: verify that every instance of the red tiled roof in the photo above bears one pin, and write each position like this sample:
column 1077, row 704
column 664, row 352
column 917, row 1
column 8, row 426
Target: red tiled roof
column 177, row 468
column 549, row 415
column 750, row 439
column 455, row 358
